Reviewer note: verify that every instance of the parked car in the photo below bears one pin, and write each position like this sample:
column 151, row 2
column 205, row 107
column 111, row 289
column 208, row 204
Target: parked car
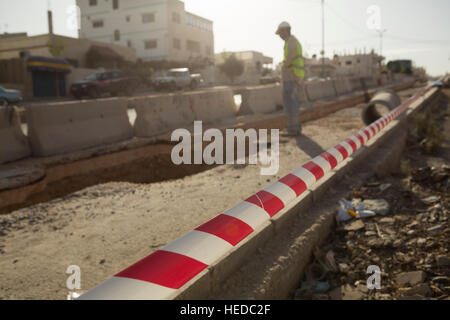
column 98, row 84
column 177, row 79
column 9, row 96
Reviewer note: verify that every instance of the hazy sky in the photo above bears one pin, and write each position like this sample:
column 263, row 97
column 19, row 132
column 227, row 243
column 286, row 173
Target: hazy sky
column 416, row 29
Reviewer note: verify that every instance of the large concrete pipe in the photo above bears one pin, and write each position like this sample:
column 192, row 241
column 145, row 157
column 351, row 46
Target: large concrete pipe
column 386, row 98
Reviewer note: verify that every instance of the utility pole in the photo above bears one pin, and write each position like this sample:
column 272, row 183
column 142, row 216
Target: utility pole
column 323, row 39
column 381, row 31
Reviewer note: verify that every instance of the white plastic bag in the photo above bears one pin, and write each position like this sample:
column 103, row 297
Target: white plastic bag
column 348, row 210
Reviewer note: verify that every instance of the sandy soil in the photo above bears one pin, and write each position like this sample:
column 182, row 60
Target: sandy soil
column 107, row 227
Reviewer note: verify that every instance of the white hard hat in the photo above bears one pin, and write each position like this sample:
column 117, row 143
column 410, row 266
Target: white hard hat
column 283, row 25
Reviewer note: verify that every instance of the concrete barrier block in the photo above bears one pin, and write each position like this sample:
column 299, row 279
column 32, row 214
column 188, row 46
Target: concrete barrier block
column 214, row 105
column 371, row 82
column 385, row 79
column 342, row 86
column 13, row 143
column 59, row 128
column 262, row 99
column 160, row 114
column 164, row 113
column 320, row 90
column 328, row 89
column 356, row 84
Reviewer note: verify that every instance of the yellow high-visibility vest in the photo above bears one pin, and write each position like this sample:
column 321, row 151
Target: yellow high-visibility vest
column 297, row 65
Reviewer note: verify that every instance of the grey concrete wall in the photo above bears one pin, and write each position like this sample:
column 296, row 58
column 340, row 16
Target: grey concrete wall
column 64, row 127
column 320, row 90
column 164, row 113
column 13, row 143
column 261, row 99
column 342, row 86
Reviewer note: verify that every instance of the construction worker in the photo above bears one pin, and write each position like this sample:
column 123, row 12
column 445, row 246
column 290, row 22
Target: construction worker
column 293, row 74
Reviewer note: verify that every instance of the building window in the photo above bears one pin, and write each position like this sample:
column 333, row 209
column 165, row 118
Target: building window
column 148, row 17
column 176, row 17
column 115, row 4
column 97, row 24
column 193, row 46
column 193, row 21
column 92, row 3
column 128, row 18
column 150, row 44
column 129, row 44
column 348, row 63
column 177, row 44
column 116, row 35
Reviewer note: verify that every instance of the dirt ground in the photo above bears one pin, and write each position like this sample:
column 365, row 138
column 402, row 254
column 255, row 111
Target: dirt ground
column 105, row 228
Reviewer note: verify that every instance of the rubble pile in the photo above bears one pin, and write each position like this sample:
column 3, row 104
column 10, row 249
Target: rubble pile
column 408, row 238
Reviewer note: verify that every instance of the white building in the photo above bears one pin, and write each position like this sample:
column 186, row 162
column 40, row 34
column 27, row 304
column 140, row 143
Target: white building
column 362, row 65
column 253, row 61
column 316, row 69
column 157, row 29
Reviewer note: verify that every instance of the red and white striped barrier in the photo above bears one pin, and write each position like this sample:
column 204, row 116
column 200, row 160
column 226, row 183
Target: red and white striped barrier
column 161, row 274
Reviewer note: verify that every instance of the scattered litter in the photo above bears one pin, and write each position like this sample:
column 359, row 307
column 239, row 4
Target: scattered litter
column 384, row 186
column 348, row 210
column 379, row 206
column 73, row 295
